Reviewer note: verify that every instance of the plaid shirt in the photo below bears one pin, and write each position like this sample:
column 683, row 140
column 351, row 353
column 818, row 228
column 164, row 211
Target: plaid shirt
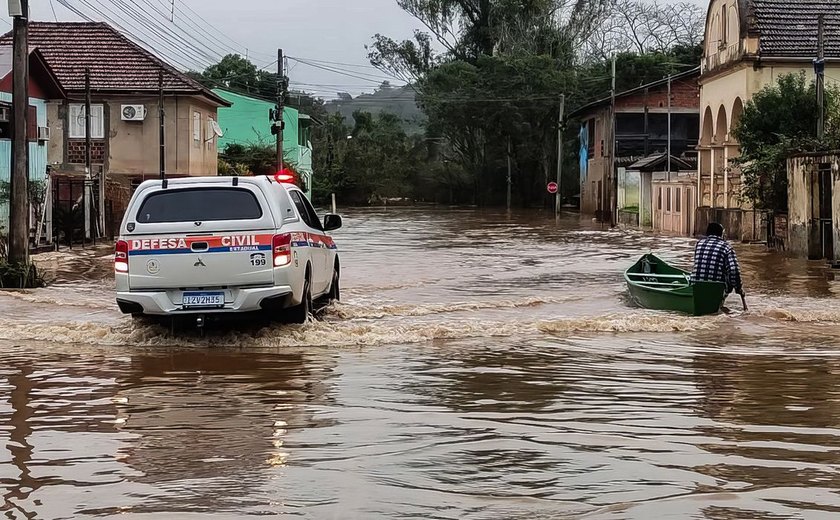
column 714, row 260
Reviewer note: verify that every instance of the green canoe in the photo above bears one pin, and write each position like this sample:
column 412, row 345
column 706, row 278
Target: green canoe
column 653, row 284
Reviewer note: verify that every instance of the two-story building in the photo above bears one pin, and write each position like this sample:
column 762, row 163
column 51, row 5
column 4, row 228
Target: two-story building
column 246, row 122
column 641, row 131
column 748, row 44
column 125, row 83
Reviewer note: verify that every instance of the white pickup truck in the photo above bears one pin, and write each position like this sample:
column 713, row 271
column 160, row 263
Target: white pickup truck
column 205, row 245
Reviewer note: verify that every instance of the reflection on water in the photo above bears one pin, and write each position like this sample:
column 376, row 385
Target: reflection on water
column 481, row 367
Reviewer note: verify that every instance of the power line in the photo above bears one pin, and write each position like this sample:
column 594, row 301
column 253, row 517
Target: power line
column 196, row 15
column 336, row 63
column 176, row 43
column 118, row 22
column 369, row 79
column 52, row 6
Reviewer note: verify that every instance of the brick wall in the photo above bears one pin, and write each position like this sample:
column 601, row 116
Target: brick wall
column 117, row 196
column 76, row 151
column 685, row 93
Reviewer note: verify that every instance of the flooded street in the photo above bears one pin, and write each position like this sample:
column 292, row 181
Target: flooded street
column 479, row 367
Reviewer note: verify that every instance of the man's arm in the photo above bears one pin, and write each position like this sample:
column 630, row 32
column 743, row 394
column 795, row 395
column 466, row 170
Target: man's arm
column 734, row 271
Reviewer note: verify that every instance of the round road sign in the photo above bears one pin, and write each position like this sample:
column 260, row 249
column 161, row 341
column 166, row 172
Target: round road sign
column 552, row 187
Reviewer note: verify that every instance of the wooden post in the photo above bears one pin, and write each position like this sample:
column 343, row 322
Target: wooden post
column 613, row 176
column 509, row 179
column 819, row 69
column 281, row 98
column 18, row 252
column 88, row 173
column 558, row 197
column 162, row 130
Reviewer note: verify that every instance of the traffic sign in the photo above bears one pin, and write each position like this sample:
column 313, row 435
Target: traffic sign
column 552, row 187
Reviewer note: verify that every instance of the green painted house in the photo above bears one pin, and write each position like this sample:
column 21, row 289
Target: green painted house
column 246, row 122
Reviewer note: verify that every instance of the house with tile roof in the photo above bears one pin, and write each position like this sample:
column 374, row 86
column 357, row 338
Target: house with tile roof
column 641, row 131
column 43, row 87
column 748, row 44
column 125, row 84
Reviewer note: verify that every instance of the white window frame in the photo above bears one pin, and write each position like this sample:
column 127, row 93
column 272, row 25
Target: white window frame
column 76, row 121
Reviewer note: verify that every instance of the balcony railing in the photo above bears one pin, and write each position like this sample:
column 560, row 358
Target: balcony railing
column 724, row 55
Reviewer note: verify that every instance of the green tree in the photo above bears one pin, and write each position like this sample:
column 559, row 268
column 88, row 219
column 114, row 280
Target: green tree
column 781, row 120
column 239, row 74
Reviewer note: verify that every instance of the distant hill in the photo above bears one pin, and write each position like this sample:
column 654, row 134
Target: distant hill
column 396, row 100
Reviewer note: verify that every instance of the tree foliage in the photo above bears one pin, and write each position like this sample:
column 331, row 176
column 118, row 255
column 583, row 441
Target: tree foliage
column 638, row 26
column 370, row 160
column 239, row 74
column 781, row 120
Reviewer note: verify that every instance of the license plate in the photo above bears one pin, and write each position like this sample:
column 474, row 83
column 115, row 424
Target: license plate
column 203, row 299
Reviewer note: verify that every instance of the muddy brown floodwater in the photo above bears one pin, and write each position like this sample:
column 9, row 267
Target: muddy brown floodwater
column 480, row 367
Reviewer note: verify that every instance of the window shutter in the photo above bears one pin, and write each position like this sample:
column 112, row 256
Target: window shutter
column 197, row 127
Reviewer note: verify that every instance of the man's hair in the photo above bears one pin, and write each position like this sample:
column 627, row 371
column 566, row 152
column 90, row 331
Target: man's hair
column 714, row 230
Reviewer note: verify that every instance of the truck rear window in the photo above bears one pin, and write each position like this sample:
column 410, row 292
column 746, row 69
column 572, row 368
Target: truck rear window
column 199, row 205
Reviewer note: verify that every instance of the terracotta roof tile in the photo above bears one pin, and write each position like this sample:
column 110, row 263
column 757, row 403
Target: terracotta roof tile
column 788, row 29
column 116, row 63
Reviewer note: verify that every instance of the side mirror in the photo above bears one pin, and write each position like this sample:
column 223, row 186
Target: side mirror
column 332, row 222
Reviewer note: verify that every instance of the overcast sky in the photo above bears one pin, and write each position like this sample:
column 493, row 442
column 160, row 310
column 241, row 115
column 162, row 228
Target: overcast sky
column 327, row 30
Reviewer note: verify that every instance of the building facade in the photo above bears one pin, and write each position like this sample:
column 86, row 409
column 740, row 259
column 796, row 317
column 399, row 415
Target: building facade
column 748, row 44
column 641, row 129
column 245, row 122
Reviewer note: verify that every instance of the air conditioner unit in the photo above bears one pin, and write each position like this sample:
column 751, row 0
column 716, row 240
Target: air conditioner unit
column 5, row 114
column 133, row 112
column 43, row 133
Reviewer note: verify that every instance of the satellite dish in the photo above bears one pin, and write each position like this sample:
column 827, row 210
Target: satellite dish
column 216, row 128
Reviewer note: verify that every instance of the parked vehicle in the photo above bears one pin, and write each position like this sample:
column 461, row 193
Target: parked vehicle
column 216, row 245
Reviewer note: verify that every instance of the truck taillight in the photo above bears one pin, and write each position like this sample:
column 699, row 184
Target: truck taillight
column 121, row 257
column 281, row 249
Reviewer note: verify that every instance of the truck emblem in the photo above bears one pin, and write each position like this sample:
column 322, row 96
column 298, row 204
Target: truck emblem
column 199, row 263
column 153, row 266
column 197, row 223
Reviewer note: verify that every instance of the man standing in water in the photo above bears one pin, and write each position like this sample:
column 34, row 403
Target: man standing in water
column 715, row 260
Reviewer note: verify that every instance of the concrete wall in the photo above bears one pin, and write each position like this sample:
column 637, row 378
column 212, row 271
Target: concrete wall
column 804, row 233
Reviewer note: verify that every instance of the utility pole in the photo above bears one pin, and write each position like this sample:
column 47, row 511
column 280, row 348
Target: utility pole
column 508, row 174
column 162, row 129
column 558, row 197
column 613, row 178
column 819, row 70
column 19, row 179
column 88, row 175
column 669, row 128
column 281, row 99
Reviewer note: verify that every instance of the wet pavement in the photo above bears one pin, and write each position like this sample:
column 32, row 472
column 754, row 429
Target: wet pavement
column 479, row 367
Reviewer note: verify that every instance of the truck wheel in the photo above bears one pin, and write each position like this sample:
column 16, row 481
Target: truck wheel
column 335, row 289
column 300, row 313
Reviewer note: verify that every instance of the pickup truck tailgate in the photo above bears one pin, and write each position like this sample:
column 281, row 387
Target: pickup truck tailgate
column 188, row 261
